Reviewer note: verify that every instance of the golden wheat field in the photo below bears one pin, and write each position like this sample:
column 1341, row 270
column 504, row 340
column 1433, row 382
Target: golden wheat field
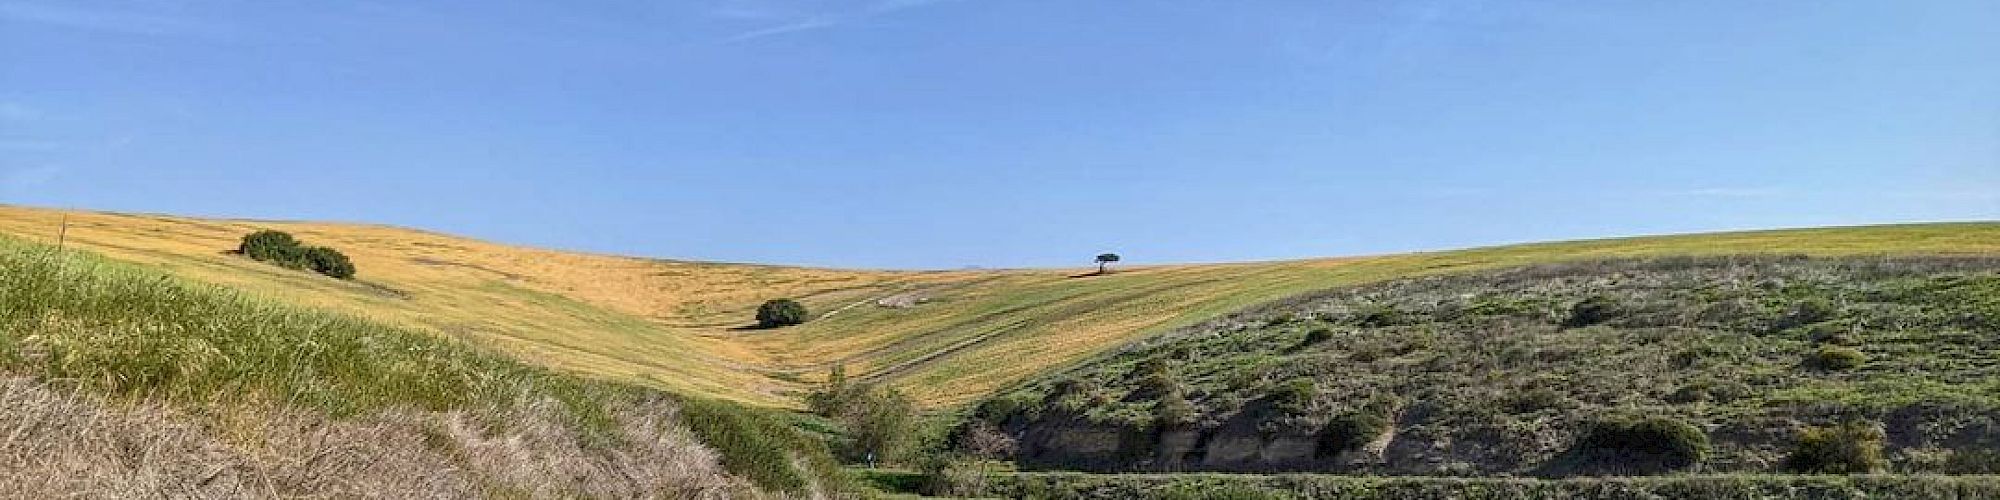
column 945, row 337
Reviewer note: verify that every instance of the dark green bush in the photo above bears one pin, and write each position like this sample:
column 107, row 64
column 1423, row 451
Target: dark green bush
column 328, row 261
column 270, row 246
column 1649, row 440
column 278, row 247
column 780, row 312
column 1350, row 431
column 1591, row 311
column 1835, row 358
column 1848, row 448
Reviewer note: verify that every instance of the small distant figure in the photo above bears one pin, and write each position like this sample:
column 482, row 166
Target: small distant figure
column 1104, row 261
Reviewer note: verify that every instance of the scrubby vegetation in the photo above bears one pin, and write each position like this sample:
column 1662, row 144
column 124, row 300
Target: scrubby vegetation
column 1847, row 448
column 1642, row 444
column 878, row 423
column 1529, row 371
column 781, row 312
column 278, row 247
column 1063, row 486
column 308, row 402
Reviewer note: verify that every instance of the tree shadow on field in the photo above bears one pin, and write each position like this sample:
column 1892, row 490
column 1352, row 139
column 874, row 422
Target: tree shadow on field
column 1091, row 274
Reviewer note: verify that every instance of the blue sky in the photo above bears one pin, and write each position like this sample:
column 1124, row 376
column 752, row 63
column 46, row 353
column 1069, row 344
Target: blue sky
column 941, row 134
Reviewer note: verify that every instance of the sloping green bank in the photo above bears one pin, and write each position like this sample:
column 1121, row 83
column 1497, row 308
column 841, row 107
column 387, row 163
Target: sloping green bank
column 1225, row 486
column 270, row 394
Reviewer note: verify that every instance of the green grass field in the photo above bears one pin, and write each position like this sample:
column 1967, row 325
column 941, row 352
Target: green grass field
column 674, row 325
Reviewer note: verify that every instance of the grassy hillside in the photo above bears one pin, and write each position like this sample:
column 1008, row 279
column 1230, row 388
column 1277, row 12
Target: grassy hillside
column 676, row 325
column 121, row 381
column 1718, row 364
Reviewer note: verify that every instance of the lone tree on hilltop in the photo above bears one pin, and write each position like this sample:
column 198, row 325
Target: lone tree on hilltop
column 780, row 312
column 1105, row 259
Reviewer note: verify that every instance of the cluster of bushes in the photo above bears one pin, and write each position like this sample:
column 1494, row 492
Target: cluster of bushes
column 278, row 247
column 878, row 421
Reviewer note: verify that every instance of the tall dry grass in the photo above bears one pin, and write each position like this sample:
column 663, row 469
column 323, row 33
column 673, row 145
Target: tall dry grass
column 58, row 444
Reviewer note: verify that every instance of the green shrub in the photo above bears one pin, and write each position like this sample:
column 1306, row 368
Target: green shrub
column 780, row 312
column 951, row 475
column 1649, row 440
column 278, row 247
column 1848, row 448
column 270, row 246
column 328, row 261
column 1350, row 431
column 1594, row 310
column 1295, row 395
column 1835, row 358
column 878, row 422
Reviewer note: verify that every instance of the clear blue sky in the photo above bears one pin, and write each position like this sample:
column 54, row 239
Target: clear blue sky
column 940, row 134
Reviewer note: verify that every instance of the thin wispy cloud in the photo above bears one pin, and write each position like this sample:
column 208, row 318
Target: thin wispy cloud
column 127, row 22
column 805, row 25
column 800, row 20
column 1726, row 192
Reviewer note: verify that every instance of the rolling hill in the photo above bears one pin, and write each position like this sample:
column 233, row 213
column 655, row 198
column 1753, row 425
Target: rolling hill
column 945, row 337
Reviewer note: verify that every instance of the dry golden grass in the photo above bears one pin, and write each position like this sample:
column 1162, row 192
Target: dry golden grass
column 63, row 444
column 675, row 325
